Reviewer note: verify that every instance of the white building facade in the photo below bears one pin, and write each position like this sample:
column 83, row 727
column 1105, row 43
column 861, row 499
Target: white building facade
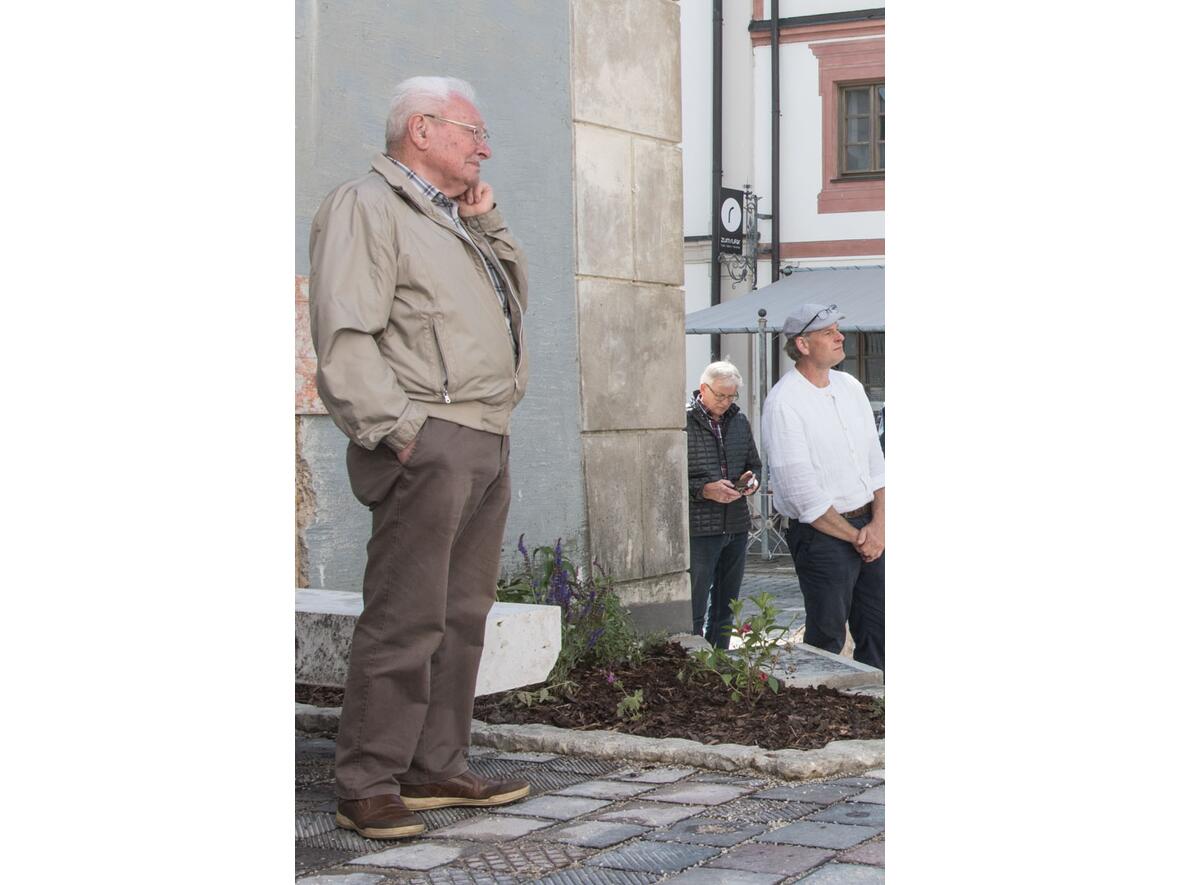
column 831, row 154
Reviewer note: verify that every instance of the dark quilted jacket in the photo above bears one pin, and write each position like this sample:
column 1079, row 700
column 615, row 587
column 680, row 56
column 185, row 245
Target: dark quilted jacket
column 707, row 517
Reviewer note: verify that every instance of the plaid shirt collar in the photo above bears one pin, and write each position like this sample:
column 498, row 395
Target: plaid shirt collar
column 427, row 189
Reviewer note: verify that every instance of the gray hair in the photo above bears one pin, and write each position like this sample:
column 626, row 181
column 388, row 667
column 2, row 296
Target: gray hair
column 792, row 349
column 421, row 95
column 721, row 371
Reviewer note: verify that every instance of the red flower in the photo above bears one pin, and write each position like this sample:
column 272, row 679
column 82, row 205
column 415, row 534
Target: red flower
column 746, row 628
column 762, row 675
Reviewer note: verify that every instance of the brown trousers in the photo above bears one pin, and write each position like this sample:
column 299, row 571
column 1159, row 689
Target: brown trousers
column 438, row 523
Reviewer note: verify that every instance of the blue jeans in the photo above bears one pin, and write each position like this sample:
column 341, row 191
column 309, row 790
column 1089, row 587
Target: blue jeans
column 839, row 587
column 717, row 564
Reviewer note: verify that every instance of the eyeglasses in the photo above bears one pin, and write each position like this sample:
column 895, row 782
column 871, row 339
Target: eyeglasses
column 823, row 314
column 724, row 397
column 481, row 136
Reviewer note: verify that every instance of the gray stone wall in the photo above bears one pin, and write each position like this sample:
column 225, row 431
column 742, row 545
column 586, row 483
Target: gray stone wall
column 583, row 101
column 630, row 273
column 516, row 53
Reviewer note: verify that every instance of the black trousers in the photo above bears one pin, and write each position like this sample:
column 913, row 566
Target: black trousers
column 839, row 587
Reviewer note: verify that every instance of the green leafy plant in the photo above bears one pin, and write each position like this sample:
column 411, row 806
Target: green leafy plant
column 631, row 706
column 596, row 630
column 746, row 671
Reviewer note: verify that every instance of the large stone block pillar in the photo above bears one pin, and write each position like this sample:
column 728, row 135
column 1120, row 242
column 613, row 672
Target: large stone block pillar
column 629, row 272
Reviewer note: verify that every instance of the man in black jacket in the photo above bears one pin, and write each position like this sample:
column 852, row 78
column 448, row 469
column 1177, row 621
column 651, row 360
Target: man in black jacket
column 723, row 465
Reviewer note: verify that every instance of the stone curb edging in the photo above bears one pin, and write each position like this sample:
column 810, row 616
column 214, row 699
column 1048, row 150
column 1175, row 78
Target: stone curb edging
column 837, row 758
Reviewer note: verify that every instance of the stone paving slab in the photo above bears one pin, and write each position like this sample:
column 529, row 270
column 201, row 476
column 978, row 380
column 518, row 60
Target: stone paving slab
column 873, row 794
column 844, row 874
column 820, row 834
column 865, row 814
column 596, row 833
column 604, row 789
column 346, row 879
column 553, row 807
column 527, row 757
column 416, row 856
column 819, row 794
column 866, row 853
column 858, row 781
column 709, row 777
column 708, row 831
column 716, row 876
column 488, row 829
column 805, row 666
column 652, row 775
column 654, row 857
column 761, row 811
column 782, row 860
column 651, row 814
column 694, row 793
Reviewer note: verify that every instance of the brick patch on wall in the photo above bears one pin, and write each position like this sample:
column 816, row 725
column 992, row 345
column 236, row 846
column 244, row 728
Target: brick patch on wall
column 307, row 399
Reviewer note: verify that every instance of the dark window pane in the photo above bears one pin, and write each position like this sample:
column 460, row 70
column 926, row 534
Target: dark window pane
column 857, row 130
column 856, row 158
column 881, row 127
column 857, row 100
column 875, row 342
column 881, row 98
column 881, row 155
column 850, row 343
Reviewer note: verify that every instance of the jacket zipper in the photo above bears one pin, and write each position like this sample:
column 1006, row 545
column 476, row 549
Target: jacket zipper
column 442, row 361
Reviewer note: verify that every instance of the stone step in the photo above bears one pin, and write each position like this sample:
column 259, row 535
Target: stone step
column 805, row 666
column 521, row 642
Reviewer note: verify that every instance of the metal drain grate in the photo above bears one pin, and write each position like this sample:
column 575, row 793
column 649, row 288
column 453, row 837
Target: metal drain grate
column 655, row 857
column 452, row 876
column 437, row 818
column 528, row 858
column 543, row 780
column 598, row 876
column 583, row 765
column 490, row 766
column 308, row 824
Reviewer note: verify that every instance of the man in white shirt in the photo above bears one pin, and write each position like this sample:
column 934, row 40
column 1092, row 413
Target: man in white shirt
column 827, row 474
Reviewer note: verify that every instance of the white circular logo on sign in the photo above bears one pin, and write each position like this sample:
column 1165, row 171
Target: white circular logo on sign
column 731, row 215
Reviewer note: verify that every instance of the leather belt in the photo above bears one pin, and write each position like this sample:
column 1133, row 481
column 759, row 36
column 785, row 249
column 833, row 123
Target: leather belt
column 863, row 510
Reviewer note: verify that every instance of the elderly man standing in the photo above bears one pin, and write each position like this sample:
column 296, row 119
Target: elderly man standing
column 418, row 293
column 722, row 467
column 827, row 473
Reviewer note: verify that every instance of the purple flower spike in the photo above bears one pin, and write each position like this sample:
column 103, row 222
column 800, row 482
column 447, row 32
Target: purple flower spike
column 520, row 546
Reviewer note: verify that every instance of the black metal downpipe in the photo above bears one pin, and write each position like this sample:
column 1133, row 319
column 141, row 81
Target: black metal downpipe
column 715, row 269
column 774, row 172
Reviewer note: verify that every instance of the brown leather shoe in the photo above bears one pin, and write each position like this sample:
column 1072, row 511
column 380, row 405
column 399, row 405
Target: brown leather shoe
column 378, row 817
column 464, row 789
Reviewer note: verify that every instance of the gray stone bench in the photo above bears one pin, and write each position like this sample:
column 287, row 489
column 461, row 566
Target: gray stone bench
column 521, row 642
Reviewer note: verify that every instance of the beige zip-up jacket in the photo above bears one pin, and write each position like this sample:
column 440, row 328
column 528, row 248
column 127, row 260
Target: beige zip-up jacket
column 404, row 320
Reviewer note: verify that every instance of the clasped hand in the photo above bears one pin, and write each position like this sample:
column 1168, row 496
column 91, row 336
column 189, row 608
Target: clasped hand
column 870, row 541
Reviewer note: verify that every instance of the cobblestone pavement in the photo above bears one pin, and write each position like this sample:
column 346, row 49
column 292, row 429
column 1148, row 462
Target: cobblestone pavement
column 775, row 576
column 606, row 821
column 591, row 820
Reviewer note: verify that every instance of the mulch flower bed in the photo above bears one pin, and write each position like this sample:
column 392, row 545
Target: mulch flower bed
column 794, row 718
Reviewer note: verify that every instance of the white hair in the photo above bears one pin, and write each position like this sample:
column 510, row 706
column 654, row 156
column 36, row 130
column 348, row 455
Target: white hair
column 421, row 95
column 721, row 371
